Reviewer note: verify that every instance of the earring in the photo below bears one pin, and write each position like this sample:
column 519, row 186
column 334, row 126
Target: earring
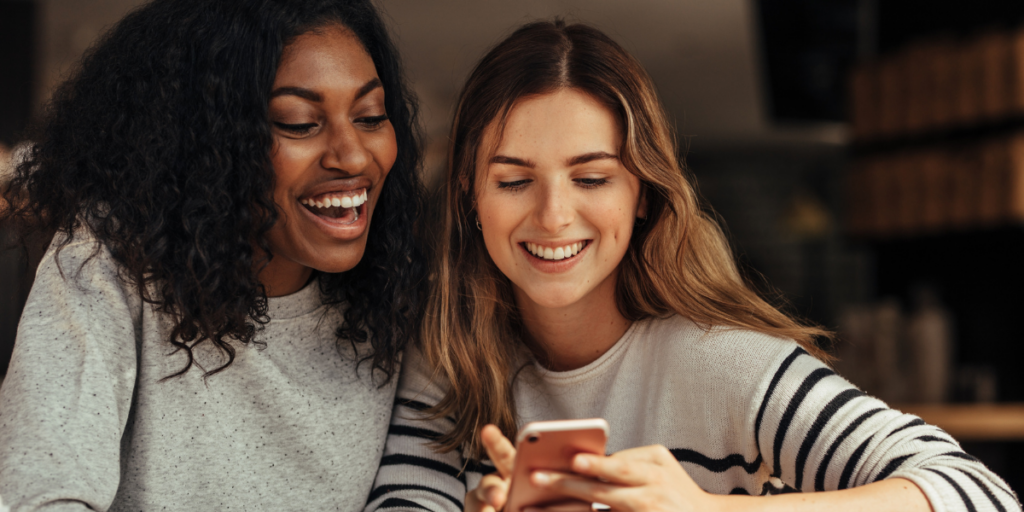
column 478, row 226
column 640, row 221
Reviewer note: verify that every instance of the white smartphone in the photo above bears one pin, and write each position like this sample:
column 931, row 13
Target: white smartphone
column 551, row 445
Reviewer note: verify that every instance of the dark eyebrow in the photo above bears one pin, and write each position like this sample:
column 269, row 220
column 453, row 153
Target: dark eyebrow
column 314, row 96
column 590, row 157
column 296, row 91
column 369, row 86
column 511, row 160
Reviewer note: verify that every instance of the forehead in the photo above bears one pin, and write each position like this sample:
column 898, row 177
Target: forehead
column 555, row 125
column 328, row 56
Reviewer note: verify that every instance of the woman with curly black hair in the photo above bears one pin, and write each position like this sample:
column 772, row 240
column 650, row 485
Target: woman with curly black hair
column 217, row 321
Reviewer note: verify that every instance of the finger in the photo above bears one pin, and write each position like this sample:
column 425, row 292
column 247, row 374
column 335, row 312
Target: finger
column 499, row 449
column 627, row 471
column 565, row 506
column 585, row 489
column 475, row 504
column 492, row 491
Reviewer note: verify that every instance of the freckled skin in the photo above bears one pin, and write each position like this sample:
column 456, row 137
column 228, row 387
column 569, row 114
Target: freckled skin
column 343, row 143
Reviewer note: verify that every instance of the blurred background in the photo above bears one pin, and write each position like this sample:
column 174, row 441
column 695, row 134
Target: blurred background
column 866, row 158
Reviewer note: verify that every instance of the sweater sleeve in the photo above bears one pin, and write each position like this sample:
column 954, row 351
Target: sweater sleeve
column 66, row 398
column 818, row 432
column 413, row 476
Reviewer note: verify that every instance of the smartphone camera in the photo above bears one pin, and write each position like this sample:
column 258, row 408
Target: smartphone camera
column 533, row 438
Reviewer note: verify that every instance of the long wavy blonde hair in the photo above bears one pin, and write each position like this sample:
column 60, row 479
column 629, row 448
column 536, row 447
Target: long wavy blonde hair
column 678, row 261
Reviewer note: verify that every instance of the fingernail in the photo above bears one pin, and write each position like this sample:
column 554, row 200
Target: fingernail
column 581, row 463
column 541, row 478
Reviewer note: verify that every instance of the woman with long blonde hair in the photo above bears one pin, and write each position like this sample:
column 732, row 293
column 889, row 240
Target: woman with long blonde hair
column 577, row 276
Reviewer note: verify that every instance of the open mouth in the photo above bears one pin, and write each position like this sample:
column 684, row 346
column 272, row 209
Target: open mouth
column 558, row 253
column 338, row 207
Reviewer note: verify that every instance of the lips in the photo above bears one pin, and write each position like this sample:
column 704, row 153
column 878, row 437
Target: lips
column 554, row 258
column 555, row 253
column 342, row 206
column 338, row 207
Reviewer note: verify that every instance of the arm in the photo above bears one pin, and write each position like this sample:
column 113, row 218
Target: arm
column 412, row 476
column 650, row 478
column 66, row 398
column 817, row 433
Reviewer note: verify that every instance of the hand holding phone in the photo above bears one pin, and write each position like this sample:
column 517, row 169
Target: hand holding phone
column 551, row 445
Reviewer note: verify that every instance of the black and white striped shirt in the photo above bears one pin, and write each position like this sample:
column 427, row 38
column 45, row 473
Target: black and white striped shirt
column 743, row 412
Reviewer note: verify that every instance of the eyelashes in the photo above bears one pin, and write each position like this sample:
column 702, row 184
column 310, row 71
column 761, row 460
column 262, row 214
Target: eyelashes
column 512, row 185
column 370, row 123
column 373, row 122
column 591, row 182
column 297, row 129
column 582, row 182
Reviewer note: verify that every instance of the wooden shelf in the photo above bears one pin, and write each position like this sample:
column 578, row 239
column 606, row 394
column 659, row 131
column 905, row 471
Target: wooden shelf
column 973, row 422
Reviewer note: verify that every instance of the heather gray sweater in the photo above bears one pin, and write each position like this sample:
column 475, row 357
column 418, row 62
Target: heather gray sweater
column 86, row 423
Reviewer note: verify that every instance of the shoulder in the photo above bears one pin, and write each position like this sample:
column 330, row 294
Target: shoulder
column 73, row 254
column 419, row 382
column 725, row 365
column 81, row 265
column 723, row 350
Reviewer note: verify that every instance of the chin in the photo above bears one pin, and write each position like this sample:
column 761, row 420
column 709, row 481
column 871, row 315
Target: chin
column 554, row 299
column 339, row 262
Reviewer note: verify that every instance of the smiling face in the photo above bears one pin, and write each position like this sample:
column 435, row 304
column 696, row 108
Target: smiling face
column 333, row 147
column 555, row 203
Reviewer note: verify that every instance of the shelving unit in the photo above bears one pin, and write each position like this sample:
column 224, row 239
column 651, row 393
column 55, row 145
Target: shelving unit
column 936, row 194
column 936, row 189
column 974, row 422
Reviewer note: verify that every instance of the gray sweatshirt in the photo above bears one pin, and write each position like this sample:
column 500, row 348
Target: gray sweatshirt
column 86, row 423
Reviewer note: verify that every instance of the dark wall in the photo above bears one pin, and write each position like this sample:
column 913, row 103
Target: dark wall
column 17, row 44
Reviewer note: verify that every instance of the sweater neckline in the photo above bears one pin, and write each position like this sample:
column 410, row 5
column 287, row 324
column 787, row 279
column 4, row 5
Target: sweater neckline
column 300, row 303
column 596, row 366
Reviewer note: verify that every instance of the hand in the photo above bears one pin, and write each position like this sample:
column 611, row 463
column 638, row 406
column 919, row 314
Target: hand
column 639, row 479
column 492, row 493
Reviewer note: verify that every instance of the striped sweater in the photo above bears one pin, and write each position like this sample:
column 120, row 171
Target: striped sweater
column 744, row 413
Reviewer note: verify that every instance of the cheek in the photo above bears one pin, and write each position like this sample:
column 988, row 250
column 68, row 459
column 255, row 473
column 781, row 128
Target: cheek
column 289, row 161
column 498, row 219
column 384, row 148
column 614, row 218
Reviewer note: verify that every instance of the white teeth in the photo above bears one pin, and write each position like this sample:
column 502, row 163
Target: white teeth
column 336, row 200
column 555, row 254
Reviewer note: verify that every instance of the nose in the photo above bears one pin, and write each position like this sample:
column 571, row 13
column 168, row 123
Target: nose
column 556, row 211
column 345, row 151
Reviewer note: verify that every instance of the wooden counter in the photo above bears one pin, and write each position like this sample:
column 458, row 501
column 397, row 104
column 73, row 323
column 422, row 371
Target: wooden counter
column 973, row 422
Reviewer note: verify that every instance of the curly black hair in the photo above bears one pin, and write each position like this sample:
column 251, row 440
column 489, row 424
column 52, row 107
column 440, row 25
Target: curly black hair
column 161, row 142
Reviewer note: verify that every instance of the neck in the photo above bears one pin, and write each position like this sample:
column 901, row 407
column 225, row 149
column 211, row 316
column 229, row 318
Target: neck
column 575, row 335
column 282, row 277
